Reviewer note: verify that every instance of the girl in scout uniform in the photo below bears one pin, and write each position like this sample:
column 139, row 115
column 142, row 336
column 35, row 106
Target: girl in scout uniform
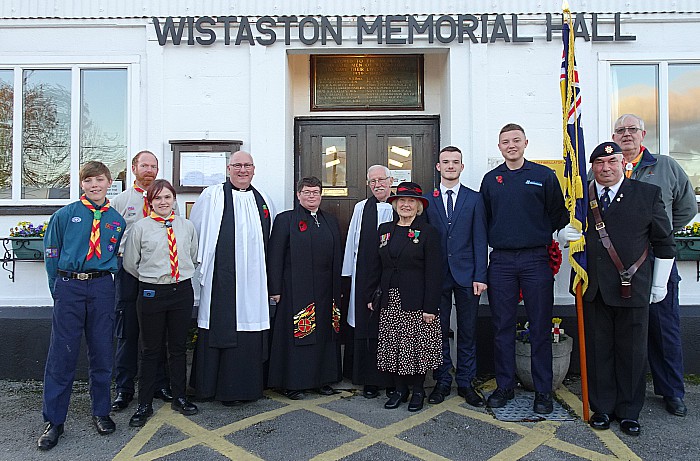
column 161, row 252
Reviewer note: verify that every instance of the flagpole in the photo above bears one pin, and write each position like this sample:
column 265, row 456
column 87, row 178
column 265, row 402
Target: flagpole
column 582, row 351
column 569, row 102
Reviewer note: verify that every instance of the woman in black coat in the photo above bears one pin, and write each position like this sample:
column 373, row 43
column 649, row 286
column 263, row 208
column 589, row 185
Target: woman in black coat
column 410, row 341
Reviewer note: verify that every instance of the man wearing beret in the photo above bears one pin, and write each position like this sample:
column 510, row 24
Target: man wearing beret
column 665, row 348
column 624, row 218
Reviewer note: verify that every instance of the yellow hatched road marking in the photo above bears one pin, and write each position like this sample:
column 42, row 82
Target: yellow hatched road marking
column 532, row 436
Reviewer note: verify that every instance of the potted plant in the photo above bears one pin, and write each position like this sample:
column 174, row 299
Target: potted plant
column 562, row 345
column 28, row 240
column 688, row 243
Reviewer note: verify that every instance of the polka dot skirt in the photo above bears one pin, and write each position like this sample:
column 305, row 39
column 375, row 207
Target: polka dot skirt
column 407, row 344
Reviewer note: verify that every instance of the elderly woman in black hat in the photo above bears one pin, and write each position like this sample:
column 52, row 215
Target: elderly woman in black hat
column 409, row 330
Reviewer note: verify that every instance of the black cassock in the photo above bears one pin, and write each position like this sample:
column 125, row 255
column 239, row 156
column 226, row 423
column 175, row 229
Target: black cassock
column 228, row 364
column 363, row 365
column 304, row 264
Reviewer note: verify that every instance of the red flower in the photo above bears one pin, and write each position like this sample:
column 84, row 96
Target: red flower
column 499, row 179
column 266, row 212
column 555, row 257
column 436, row 193
column 302, row 226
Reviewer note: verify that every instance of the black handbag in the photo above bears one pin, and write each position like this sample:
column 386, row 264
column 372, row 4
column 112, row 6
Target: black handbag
column 377, row 298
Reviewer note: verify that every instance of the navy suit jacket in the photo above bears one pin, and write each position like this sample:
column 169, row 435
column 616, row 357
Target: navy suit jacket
column 464, row 242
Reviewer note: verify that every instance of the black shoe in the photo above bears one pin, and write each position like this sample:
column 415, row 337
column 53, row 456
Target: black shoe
column 122, row 400
column 500, row 397
column 183, row 406
column 104, row 424
column 416, row 402
column 600, row 421
column 49, row 438
column 676, row 406
column 472, row 397
column 630, row 427
column 389, row 391
column 232, row 403
column 544, row 403
column 370, row 392
column 164, row 394
column 143, row 412
column 395, row 400
column 326, row 390
column 294, row 395
column 439, row 393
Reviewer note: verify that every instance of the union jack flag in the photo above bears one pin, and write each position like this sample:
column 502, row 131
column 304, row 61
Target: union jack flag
column 575, row 194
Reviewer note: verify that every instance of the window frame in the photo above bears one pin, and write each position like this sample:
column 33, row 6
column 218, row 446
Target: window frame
column 75, row 64
column 662, row 60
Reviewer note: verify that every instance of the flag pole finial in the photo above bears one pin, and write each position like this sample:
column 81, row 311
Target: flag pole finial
column 565, row 6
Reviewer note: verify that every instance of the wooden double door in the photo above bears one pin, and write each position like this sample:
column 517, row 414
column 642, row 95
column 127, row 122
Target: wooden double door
column 338, row 151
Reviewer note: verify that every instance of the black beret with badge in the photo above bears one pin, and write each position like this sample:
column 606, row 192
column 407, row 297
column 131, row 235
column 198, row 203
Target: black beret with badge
column 605, row 149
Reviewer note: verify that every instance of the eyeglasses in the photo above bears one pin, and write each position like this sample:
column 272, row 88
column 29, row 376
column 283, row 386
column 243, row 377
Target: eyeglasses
column 630, row 129
column 372, row 182
column 239, row 166
column 311, row 193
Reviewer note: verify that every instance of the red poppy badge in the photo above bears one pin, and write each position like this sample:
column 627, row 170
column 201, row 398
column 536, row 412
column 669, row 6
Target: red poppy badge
column 302, row 226
column 436, row 193
column 266, row 212
column 499, row 179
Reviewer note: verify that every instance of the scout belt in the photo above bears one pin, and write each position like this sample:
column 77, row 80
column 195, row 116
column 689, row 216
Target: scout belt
column 625, row 274
column 82, row 275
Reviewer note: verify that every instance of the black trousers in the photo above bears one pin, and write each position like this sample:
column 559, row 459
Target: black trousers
column 163, row 310
column 616, row 350
column 126, row 331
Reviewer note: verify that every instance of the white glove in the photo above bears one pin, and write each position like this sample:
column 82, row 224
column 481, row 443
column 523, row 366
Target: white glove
column 662, row 269
column 568, row 234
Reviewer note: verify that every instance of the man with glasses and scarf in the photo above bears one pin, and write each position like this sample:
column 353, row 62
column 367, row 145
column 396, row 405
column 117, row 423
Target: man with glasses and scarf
column 665, row 349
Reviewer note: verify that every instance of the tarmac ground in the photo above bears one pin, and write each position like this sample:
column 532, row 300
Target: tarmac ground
column 343, row 426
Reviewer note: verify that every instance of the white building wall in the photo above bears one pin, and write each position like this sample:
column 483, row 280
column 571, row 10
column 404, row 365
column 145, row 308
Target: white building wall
column 253, row 93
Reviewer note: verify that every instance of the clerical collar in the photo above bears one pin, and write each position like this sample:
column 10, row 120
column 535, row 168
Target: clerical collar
column 237, row 189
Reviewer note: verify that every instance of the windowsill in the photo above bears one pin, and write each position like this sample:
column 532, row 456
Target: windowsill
column 28, row 210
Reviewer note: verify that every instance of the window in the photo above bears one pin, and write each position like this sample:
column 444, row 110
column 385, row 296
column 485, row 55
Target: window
column 665, row 95
column 6, row 105
column 68, row 114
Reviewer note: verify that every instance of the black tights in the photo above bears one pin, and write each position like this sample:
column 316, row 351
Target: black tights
column 416, row 382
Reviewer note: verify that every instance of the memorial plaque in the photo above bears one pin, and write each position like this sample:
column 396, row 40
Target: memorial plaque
column 367, row 82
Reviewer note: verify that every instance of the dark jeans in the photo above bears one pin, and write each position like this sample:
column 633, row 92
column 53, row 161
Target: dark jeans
column 510, row 271
column 166, row 313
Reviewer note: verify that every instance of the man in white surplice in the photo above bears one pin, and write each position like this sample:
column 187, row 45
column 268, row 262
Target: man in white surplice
column 233, row 221
column 361, row 254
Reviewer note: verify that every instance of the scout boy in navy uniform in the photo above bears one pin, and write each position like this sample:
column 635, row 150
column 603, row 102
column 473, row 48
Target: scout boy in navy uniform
column 81, row 244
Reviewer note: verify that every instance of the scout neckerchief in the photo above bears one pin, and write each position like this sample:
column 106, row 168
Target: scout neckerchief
column 94, row 248
column 632, row 166
column 172, row 244
column 146, row 208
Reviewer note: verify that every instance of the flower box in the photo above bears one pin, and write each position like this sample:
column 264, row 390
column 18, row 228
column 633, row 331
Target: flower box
column 687, row 248
column 28, row 248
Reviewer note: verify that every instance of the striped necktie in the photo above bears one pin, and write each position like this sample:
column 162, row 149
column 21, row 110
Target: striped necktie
column 94, row 248
column 172, row 243
column 146, row 208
